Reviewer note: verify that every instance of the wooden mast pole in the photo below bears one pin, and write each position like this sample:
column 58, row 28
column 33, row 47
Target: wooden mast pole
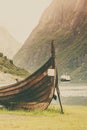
column 58, row 92
column 56, row 77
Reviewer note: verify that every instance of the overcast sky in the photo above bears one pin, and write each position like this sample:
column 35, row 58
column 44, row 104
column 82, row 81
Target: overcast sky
column 19, row 17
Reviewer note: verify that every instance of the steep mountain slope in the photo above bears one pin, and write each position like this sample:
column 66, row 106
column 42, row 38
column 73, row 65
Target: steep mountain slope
column 47, row 26
column 8, row 45
column 64, row 22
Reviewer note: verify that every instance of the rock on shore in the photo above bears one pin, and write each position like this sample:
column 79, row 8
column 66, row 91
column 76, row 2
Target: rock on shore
column 6, row 79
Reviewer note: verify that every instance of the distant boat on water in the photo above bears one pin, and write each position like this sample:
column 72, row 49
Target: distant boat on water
column 65, row 78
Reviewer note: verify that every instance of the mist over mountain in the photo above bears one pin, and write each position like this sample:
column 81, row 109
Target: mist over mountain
column 65, row 22
column 8, row 45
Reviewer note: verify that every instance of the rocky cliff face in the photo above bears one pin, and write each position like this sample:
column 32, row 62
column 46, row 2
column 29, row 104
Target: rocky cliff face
column 65, row 22
column 57, row 14
column 80, row 13
column 8, row 45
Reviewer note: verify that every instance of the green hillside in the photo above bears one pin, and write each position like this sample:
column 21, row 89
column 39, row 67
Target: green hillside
column 7, row 66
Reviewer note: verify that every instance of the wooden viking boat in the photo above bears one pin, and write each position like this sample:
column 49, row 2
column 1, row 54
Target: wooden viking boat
column 36, row 91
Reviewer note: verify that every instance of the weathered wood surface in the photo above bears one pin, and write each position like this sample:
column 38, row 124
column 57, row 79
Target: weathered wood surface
column 35, row 92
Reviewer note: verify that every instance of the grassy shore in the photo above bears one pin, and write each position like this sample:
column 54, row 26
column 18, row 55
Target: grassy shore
column 74, row 118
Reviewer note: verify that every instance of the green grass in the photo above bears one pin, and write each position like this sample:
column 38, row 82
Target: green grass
column 74, row 118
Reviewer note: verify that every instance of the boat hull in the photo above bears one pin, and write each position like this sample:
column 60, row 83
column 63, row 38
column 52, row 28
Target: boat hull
column 35, row 92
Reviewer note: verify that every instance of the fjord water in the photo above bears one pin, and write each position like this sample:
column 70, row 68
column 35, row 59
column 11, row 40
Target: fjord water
column 73, row 93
